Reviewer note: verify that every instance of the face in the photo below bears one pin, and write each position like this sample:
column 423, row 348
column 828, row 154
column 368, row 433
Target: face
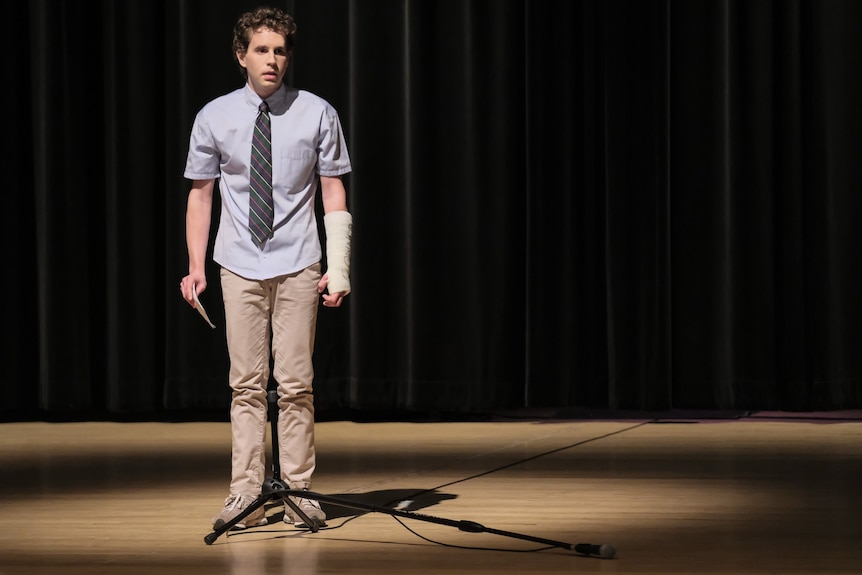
column 265, row 61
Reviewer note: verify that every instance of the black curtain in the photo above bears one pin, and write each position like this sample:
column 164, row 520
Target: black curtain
column 621, row 204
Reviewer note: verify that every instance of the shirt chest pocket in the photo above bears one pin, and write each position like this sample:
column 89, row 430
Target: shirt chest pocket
column 296, row 169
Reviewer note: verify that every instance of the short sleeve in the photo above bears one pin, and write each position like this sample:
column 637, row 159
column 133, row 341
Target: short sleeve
column 203, row 159
column 333, row 159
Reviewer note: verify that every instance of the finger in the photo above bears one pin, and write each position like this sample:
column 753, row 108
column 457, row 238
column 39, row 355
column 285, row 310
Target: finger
column 187, row 289
column 187, row 295
column 333, row 300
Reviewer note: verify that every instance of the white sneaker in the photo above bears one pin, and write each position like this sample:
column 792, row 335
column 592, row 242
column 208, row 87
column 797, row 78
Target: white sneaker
column 308, row 506
column 233, row 506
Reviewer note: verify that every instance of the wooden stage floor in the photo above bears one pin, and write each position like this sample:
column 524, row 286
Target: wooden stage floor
column 736, row 496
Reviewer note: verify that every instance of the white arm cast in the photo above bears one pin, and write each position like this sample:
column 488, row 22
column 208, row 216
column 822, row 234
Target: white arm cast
column 339, row 232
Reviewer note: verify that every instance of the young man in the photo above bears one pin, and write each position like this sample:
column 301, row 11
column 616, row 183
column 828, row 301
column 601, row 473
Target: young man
column 268, row 141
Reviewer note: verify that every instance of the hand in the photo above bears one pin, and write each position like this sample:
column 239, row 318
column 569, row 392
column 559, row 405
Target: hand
column 329, row 299
column 190, row 284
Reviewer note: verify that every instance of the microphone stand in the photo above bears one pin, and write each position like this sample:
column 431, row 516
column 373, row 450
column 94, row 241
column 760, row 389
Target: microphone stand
column 275, row 488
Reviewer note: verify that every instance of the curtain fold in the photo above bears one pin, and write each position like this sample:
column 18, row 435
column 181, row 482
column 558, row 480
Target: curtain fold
column 620, row 204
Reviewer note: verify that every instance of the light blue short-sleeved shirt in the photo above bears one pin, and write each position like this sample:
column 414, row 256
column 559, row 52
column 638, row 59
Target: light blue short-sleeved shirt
column 307, row 142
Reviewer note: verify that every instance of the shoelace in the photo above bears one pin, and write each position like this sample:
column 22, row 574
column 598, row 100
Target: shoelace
column 305, row 502
column 306, row 505
column 233, row 502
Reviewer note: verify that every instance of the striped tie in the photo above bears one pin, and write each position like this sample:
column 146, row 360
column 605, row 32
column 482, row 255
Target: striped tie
column 260, row 207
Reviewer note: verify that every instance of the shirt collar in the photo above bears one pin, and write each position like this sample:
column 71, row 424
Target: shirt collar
column 278, row 101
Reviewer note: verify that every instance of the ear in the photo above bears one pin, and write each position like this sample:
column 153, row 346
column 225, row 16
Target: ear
column 240, row 57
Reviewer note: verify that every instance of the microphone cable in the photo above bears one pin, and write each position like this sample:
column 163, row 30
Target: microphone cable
column 404, row 504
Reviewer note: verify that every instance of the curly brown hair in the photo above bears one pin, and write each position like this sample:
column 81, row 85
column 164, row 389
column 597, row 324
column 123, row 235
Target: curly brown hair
column 264, row 17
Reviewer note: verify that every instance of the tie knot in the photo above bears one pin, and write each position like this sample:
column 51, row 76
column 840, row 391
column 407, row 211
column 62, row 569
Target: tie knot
column 264, row 107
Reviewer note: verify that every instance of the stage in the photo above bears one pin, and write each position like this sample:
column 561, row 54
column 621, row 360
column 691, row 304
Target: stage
column 753, row 494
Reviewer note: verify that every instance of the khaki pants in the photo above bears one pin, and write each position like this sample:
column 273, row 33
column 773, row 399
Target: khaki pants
column 285, row 310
